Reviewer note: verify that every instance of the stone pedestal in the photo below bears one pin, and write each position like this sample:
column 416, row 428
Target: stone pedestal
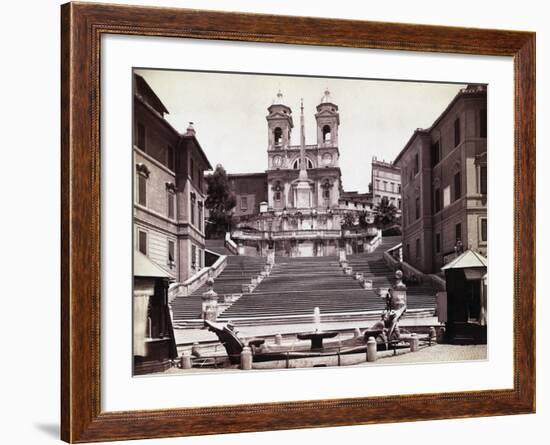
column 278, row 339
column 400, row 295
column 210, row 305
column 303, row 195
column 211, row 314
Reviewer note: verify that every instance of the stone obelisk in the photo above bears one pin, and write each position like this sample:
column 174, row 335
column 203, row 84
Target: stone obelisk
column 303, row 187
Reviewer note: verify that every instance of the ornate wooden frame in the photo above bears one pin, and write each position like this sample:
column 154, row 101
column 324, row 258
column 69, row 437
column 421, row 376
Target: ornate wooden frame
column 82, row 26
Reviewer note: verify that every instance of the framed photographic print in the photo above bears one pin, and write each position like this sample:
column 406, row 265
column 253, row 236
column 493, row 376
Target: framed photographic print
column 276, row 222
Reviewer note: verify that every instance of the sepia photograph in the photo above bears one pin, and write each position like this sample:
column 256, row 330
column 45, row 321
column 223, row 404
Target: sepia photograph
column 285, row 221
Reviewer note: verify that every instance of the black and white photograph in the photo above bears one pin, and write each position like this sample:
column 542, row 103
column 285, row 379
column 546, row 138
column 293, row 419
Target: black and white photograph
column 284, row 221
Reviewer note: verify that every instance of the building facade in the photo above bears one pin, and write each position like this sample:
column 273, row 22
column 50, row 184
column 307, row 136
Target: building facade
column 320, row 159
column 302, row 214
column 386, row 183
column 250, row 191
column 356, row 201
column 444, row 184
column 169, row 192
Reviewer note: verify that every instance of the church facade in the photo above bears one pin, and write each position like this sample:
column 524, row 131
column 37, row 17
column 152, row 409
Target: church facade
column 303, row 214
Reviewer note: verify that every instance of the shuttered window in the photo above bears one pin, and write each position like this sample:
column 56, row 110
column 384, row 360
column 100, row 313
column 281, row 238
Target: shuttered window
column 142, row 242
column 171, row 204
column 142, row 190
column 484, row 230
column 458, row 188
column 141, row 136
column 457, row 131
column 437, row 200
column 483, row 179
column 171, row 253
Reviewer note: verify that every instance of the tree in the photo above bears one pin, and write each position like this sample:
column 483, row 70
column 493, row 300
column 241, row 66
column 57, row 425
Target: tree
column 386, row 214
column 219, row 202
column 348, row 220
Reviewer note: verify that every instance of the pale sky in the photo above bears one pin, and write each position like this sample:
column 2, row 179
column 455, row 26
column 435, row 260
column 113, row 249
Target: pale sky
column 377, row 117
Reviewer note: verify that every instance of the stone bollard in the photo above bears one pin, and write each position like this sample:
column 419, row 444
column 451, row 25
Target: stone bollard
column 371, row 350
column 414, row 342
column 432, row 335
column 186, row 360
column 278, row 339
column 356, row 333
column 246, row 358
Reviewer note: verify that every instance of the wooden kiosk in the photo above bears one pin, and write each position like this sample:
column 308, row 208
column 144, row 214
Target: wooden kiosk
column 466, row 311
column 154, row 343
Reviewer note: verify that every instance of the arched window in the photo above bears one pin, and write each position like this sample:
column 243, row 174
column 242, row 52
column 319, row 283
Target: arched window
column 326, row 134
column 278, row 136
column 296, row 164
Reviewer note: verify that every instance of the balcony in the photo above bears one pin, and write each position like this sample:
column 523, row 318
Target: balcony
column 302, row 234
column 305, row 234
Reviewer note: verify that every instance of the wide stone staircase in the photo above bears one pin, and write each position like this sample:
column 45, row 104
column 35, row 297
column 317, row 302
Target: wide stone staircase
column 374, row 268
column 295, row 286
column 239, row 270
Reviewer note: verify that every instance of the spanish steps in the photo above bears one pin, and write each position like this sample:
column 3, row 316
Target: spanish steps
column 239, row 270
column 296, row 286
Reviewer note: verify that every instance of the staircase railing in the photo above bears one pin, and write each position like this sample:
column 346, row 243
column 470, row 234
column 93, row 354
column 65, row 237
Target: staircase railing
column 391, row 258
column 373, row 244
column 230, row 244
column 193, row 283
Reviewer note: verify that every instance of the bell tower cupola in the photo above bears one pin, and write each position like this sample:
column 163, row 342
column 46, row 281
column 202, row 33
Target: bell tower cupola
column 328, row 120
column 279, row 124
